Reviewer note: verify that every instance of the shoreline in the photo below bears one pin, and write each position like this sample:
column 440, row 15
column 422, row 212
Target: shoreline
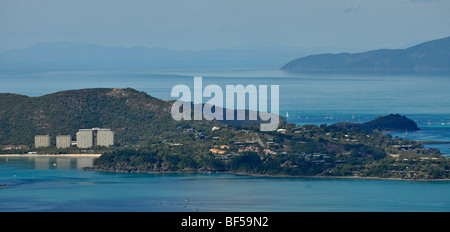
column 346, row 177
column 92, row 169
column 426, row 142
column 50, row 155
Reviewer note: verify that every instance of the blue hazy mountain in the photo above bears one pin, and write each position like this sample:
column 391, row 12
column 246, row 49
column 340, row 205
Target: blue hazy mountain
column 425, row 57
column 66, row 55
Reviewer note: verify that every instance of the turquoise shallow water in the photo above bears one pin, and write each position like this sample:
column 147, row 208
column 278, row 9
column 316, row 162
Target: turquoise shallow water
column 31, row 185
column 59, row 185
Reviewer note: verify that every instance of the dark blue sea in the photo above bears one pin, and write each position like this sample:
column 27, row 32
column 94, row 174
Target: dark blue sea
column 58, row 184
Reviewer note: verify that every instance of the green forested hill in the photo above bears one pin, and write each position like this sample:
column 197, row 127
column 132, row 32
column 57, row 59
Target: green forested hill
column 134, row 116
column 392, row 122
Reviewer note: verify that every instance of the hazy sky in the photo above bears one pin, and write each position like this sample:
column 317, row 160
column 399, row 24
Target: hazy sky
column 206, row 24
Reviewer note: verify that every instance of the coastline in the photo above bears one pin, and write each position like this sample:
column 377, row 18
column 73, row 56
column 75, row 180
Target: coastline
column 345, row 177
column 432, row 142
column 50, row 155
column 93, row 169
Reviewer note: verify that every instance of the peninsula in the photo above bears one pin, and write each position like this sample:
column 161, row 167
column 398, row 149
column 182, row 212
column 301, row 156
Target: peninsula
column 431, row 56
column 147, row 139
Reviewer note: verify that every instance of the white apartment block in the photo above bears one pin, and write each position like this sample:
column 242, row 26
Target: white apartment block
column 42, row 141
column 63, row 141
column 85, row 138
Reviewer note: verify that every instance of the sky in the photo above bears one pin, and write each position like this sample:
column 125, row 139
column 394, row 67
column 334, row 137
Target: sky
column 213, row 24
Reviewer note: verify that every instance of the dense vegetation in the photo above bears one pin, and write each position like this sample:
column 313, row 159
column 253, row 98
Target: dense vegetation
column 301, row 151
column 134, row 116
column 392, row 122
column 149, row 140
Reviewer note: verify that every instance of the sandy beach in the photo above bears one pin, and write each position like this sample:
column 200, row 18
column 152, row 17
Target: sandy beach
column 50, row 155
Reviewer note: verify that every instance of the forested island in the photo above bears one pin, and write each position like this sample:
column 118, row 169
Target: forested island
column 429, row 57
column 149, row 140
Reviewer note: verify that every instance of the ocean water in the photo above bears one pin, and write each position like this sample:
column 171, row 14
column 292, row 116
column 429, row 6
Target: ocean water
column 56, row 184
column 337, row 96
column 59, row 185
column 307, row 98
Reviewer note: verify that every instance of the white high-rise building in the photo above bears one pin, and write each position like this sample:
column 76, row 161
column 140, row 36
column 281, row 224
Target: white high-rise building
column 85, row 138
column 105, row 137
column 63, row 141
column 42, row 141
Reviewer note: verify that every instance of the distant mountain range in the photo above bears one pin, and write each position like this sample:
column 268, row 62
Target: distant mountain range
column 425, row 57
column 429, row 56
column 66, row 55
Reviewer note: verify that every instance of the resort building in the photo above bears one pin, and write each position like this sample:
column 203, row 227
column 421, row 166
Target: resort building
column 87, row 138
column 63, row 141
column 105, row 137
column 42, row 141
column 217, row 151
